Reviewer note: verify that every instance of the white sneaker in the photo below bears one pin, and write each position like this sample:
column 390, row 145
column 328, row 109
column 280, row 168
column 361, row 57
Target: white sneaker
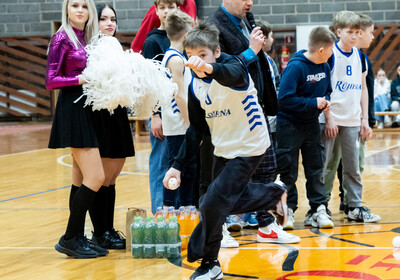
column 363, row 215
column 321, row 219
column 274, row 233
column 387, row 121
column 309, row 219
column 227, row 240
column 380, row 125
column 290, row 222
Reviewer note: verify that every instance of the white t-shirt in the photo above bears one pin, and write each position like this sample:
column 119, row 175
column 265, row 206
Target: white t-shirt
column 172, row 121
column 236, row 120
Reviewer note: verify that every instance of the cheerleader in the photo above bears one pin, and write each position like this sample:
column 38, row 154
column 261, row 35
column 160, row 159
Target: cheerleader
column 116, row 143
column 73, row 123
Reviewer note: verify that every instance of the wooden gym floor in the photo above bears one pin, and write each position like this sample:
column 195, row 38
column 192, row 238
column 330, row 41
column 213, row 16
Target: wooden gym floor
column 34, row 192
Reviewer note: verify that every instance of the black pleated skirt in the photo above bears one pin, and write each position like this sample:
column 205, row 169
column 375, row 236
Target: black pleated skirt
column 72, row 123
column 114, row 133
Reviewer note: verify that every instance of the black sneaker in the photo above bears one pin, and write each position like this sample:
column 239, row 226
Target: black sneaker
column 106, row 240
column 118, row 235
column 75, row 247
column 100, row 250
column 209, row 269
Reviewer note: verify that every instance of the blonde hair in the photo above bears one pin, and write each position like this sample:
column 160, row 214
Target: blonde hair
column 91, row 26
column 346, row 19
column 177, row 24
column 365, row 21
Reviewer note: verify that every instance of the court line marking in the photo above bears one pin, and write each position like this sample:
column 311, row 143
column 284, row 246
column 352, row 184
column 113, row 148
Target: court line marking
column 32, row 194
column 21, row 153
column 374, row 152
column 26, row 248
column 315, row 248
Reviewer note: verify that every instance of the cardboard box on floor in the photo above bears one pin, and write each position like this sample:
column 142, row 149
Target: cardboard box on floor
column 130, row 215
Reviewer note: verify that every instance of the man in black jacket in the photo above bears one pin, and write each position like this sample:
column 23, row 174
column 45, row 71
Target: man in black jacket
column 230, row 19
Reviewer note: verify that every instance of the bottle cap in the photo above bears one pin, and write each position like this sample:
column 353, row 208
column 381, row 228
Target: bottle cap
column 182, row 208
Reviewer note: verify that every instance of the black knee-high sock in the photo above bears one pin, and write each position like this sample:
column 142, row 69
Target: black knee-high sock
column 98, row 212
column 74, row 189
column 110, row 207
column 83, row 199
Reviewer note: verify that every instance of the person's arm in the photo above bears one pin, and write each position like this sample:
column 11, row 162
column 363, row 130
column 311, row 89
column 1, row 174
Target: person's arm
column 55, row 58
column 149, row 22
column 194, row 134
column 364, row 131
column 176, row 67
column 156, row 126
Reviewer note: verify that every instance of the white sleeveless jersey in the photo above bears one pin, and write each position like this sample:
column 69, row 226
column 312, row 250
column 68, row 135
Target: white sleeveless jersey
column 236, row 120
column 172, row 121
column 346, row 78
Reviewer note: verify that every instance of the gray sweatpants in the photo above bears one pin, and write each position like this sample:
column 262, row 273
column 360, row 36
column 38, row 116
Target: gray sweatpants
column 348, row 143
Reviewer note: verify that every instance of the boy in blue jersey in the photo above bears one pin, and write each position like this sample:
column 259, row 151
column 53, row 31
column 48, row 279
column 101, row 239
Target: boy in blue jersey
column 223, row 102
column 349, row 101
column 304, row 93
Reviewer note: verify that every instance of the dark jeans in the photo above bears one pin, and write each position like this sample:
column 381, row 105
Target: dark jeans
column 265, row 173
column 229, row 193
column 182, row 196
column 291, row 139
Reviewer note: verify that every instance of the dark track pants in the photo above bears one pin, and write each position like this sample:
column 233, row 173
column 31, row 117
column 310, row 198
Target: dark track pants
column 229, row 193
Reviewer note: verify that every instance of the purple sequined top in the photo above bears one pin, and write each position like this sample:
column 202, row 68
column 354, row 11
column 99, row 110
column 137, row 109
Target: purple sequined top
column 64, row 61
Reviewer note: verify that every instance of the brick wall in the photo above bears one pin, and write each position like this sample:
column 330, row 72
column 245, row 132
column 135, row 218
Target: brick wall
column 35, row 17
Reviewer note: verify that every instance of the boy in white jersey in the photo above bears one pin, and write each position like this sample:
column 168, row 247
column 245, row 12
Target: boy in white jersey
column 347, row 121
column 175, row 118
column 223, row 102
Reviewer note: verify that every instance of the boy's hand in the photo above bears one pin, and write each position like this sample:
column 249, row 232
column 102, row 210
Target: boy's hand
column 368, row 135
column 199, row 66
column 321, row 103
column 256, row 40
column 331, row 128
column 156, row 127
column 172, row 172
column 365, row 132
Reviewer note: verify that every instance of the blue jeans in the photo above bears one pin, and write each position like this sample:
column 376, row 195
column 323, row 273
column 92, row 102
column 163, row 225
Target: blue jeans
column 158, row 166
column 291, row 139
column 381, row 104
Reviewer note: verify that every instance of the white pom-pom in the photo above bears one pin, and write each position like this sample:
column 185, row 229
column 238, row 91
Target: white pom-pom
column 172, row 183
column 117, row 77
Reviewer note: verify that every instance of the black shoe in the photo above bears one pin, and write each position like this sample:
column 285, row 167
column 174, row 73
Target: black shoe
column 76, row 247
column 100, row 250
column 118, row 235
column 208, row 268
column 106, row 240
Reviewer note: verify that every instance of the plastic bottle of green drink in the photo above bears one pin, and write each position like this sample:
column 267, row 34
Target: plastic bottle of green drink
column 161, row 238
column 137, row 237
column 173, row 238
column 149, row 247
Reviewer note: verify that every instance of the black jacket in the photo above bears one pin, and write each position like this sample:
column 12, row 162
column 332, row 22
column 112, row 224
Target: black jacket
column 233, row 42
column 156, row 44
